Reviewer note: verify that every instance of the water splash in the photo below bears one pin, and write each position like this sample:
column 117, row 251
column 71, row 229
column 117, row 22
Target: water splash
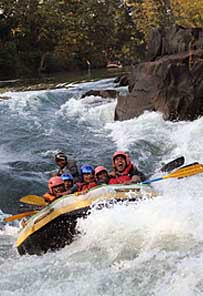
column 149, row 248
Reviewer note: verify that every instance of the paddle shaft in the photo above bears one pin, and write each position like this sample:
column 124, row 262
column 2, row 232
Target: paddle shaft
column 152, row 180
column 187, row 171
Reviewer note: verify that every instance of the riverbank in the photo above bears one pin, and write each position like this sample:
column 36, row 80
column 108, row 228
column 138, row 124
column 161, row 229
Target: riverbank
column 58, row 80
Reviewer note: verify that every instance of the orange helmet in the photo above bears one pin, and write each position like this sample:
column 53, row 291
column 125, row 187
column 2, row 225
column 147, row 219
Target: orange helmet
column 100, row 169
column 54, row 181
column 121, row 153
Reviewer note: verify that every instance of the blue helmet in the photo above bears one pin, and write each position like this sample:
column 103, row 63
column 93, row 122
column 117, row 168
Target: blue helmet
column 86, row 169
column 67, row 176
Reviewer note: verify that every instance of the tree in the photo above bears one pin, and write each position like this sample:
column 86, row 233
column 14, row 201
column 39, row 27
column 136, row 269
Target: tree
column 151, row 13
column 188, row 13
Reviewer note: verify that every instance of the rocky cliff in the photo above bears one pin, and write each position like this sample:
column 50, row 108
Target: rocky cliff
column 170, row 80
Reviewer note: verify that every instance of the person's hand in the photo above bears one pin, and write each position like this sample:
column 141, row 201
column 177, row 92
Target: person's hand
column 126, row 183
column 58, row 194
column 67, row 192
column 135, row 179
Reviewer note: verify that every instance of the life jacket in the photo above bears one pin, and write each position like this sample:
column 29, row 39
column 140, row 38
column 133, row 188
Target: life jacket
column 49, row 197
column 85, row 186
column 123, row 177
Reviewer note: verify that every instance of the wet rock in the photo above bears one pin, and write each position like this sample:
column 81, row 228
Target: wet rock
column 170, row 81
column 108, row 93
column 122, row 80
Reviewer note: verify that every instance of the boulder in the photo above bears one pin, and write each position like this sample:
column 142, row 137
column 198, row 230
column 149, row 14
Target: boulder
column 122, row 80
column 171, row 79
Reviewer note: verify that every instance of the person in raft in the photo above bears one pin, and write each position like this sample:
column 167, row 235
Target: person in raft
column 101, row 175
column 56, row 189
column 87, row 176
column 124, row 171
column 66, row 166
column 68, row 181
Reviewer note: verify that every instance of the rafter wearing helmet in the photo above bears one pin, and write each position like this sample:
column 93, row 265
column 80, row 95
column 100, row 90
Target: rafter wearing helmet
column 124, row 172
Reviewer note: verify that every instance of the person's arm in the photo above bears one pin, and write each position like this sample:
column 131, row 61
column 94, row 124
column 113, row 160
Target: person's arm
column 112, row 174
column 74, row 188
column 48, row 197
column 141, row 175
column 72, row 167
column 137, row 176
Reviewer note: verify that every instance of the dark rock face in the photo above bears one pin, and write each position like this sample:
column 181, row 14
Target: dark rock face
column 108, row 93
column 122, row 80
column 170, row 81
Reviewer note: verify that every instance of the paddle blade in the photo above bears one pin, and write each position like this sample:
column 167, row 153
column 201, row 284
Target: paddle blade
column 34, row 200
column 187, row 171
column 19, row 216
column 172, row 165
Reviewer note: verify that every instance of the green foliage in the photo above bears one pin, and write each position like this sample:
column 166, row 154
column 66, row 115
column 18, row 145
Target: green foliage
column 69, row 32
column 188, row 13
column 49, row 35
column 151, row 13
column 162, row 13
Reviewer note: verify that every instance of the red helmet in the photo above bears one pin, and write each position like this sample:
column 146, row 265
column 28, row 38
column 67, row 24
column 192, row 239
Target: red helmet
column 121, row 153
column 54, row 181
column 100, row 169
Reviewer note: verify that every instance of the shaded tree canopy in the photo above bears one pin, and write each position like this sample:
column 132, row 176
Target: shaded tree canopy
column 54, row 35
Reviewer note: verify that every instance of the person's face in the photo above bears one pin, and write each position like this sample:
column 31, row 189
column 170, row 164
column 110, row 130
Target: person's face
column 68, row 184
column 102, row 176
column 61, row 163
column 58, row 189
column 120, row 163
column 88, row 178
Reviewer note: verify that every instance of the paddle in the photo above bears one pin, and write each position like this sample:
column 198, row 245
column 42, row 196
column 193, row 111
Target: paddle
column 188, row 170
column 19, row 216
column 34, row 200
column 174, row 164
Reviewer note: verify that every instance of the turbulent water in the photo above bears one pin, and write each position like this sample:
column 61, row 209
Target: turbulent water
column 153, row 248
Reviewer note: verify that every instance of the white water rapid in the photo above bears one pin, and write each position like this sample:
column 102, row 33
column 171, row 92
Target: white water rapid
column 153, row 248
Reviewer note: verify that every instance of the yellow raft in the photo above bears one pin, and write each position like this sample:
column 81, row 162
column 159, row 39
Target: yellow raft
column 54, row 226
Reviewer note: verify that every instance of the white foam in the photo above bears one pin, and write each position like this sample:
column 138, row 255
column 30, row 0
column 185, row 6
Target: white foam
column 181, row 138
column 94, row 111
column 150, row 248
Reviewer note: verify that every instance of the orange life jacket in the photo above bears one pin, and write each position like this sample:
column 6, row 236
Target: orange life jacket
column 49, row 197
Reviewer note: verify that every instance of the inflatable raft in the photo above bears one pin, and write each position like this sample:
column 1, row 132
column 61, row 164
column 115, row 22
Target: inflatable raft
column 54, row 226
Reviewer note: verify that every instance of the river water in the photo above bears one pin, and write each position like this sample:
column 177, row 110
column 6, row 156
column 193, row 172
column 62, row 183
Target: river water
column 153, row 248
